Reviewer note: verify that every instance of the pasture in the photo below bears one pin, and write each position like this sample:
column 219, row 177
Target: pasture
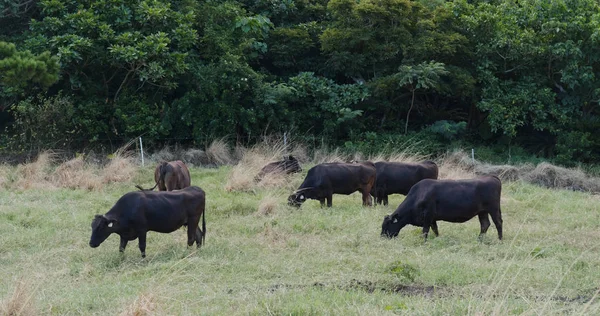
column 262, row 257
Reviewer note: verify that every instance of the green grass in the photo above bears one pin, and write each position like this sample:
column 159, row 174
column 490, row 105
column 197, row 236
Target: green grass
column 307, row 261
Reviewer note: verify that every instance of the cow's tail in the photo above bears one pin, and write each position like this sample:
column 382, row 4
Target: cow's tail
column 161, row 177
column 203, row 227
column 142, row 189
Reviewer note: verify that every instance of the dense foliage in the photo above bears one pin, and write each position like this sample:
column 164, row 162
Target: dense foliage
column 348, row 71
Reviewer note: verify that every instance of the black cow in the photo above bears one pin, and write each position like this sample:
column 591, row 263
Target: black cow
column 454, row 201
column 324, row 180
column 136, row 213
column 288, row 165
column 399, row 177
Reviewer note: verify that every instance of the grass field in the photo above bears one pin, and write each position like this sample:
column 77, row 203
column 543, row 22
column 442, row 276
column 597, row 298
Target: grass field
column 262, row 257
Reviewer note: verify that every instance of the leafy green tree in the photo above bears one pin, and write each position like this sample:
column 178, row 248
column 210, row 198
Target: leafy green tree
column 424, row 76
column 23, row 71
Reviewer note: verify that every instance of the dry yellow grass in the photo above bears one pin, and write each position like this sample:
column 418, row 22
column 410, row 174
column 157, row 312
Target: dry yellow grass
column 242, row 176
column 4, row 176
column 144, row 305
column 35, row 174
column 219, row 153
column 267, row 206
column 75, row 173
column 121, row 168
column 21, row 302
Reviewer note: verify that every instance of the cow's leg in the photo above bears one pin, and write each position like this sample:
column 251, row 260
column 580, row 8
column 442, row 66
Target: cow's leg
column 329, row 200
column 123, row 244
column 385, row 199
column 322, row 200
column 191, row 231
column 435, row 228
column 425, row 231
column 142, row 243
column 366, row 197
column 497, row 218
column 485, row 224
column 428, row 211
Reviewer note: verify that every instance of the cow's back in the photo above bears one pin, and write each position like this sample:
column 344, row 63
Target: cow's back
column 343, row 178
column 165, row 211
column 398, row 177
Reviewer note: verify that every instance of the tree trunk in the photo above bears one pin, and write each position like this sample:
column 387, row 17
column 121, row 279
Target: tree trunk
column 412, row 102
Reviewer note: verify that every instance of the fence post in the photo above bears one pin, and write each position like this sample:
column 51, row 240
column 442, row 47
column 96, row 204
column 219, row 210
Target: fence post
column 142, row 150
column 285, row 140
column 473, row 155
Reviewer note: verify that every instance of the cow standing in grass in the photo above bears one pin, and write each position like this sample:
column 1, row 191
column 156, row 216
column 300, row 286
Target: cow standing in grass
column 399, row 178
column 169, row 176
column 454, row 201
column 288, row 165
column 136, row 213
column 326, row 179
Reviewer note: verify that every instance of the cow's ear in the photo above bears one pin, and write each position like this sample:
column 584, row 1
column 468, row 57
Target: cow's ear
column 111, row 222
column 395, row 221
column 302, row 197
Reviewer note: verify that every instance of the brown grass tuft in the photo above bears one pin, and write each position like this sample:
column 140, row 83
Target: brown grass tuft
column 550, row 176
column 74, row 174
column 142, row 306
column 504, row 172
column 324, row 155
column 165, row 154
column 5, row 178
column 267, row 206
column 242, row 176
column 456, row 165
column 195, row 157
column 20, row 303
column 34, row 175
column 121, row 168
column 219, row 153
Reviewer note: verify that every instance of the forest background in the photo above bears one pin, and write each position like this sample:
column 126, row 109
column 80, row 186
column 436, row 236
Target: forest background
column 514, row 79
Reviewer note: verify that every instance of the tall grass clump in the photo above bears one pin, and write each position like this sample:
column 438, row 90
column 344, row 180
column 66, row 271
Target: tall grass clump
column 21, row 302
column 144, row 305
column 75, row 173
column 243, row 176
column 219, row 153
column 34, row 174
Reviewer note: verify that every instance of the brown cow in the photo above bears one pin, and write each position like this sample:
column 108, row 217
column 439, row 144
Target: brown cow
column 169, row 176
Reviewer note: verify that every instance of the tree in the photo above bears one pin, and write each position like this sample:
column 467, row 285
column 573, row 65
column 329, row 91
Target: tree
column 23, row 71
column 425, row 75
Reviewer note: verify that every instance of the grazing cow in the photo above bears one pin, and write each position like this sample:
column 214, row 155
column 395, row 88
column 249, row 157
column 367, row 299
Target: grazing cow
column 136, row 213
column 454, row 201
column 399, row 177
column 323, row 180
column 288, row 165
column 169, row 176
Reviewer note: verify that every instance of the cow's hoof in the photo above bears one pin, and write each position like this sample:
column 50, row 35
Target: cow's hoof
column 143, row 255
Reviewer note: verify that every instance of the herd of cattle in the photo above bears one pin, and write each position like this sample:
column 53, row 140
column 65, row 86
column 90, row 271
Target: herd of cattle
column 428, row 199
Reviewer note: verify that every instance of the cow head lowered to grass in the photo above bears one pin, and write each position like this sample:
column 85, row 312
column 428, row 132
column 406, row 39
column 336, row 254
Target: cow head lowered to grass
column 454, row 201
column 326, row 179
column 136, row 213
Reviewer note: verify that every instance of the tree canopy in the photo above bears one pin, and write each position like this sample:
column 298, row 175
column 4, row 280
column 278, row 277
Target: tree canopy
column 342, row 70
